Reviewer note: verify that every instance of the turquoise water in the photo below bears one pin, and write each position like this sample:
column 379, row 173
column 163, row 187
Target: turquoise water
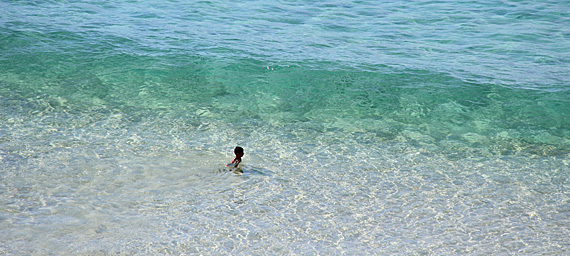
column 395, row 127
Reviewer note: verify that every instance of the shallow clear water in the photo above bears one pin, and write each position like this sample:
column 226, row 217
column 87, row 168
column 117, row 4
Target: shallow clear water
column 369, row 128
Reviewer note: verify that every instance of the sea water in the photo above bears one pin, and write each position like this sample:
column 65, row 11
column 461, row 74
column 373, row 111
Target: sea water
column 369, row 127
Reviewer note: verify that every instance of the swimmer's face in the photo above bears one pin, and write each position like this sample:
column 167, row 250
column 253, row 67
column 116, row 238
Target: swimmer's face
column 239, row 154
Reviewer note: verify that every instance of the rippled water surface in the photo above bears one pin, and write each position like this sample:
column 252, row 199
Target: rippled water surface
column 406, row 128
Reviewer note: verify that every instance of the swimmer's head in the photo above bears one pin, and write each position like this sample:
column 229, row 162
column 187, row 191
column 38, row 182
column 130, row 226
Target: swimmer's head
column 238, row 151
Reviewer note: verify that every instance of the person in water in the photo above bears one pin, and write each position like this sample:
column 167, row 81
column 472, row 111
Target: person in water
column 236, row 163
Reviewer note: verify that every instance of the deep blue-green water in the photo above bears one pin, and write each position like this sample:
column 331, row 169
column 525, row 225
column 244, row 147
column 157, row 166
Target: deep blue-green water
column 369, row 127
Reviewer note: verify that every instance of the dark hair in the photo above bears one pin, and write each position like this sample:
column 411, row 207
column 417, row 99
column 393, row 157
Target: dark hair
column 238, row 150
